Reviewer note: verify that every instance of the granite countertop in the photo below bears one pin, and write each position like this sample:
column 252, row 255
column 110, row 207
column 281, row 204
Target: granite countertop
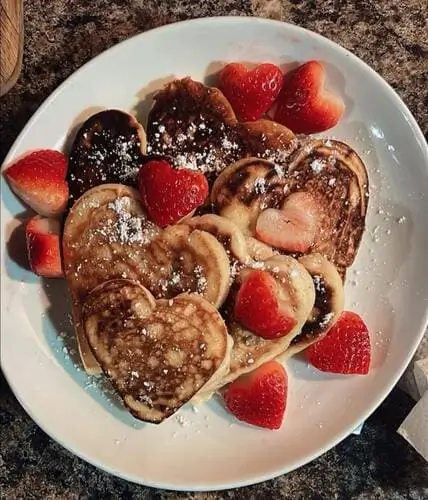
column 61, row 35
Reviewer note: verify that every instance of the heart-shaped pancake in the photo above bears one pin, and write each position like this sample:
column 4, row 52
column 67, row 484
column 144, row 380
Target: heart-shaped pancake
column 249, row 350
column 329, row 172
column 107, row 235
column 157, row 354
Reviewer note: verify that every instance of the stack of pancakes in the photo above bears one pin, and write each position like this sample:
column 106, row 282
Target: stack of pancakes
column 145, row 300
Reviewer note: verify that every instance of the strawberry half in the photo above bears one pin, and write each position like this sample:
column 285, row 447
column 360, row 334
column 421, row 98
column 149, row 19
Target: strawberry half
column 170, row 194
column 345, row 349
column 259, row 397
column 293, row 228
column 43, row 246
column 251, row 92
column 39, row 180
column 304, row 106
column 257, row 307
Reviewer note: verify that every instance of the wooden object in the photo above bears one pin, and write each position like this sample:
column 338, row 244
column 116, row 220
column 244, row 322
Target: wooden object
column 11, row 43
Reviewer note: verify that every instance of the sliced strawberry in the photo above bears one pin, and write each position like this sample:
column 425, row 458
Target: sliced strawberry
column 52, row 159
column 251, row 92
column 39, row 180
column 293, row 228
column 170, row 194
column 43, row 246
column 258, row 309
column 345, row 349
column 303, row 105
column 259, row 397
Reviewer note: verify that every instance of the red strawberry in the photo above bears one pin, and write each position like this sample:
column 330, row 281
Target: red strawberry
column 43, row 246
column 304, row 106
column 257, row 307
column 259, row 397
column 53, row 159
column 345, row 349
column 39, row 180
column 251, row 92
column 294, row 227
column 170, row 194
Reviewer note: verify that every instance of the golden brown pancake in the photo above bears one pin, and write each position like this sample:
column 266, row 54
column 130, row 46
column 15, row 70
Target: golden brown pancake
column 157, row 354
column 330, row 171
column 107, row 235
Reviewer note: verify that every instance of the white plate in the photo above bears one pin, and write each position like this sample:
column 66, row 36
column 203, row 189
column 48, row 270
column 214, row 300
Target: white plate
column 208, row 449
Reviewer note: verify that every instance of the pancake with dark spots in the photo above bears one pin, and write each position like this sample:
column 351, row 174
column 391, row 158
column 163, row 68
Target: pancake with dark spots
column 107, row 235
column 329, row 302
column 108, row 148
column 296, row 293
column 196, row 127
column 330, row 171
column 157, row 354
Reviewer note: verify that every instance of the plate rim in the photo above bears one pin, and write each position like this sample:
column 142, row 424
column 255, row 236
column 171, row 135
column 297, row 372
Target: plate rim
column 423, row 147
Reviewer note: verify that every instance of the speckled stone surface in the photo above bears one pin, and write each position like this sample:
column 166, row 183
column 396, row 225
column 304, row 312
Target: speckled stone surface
column 61, row 35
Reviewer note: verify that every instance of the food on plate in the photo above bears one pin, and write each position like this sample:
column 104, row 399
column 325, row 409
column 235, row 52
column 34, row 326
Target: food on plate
column 39, row 180
column 195, row 127
column 231, row 254
column 108, row 148
column 259, row 397
column 157, row 353
column 108, row 235
column 336, row 183
column 295, row 289
column 260, row 308
column 329, row 301
column 225, row 231
column 304, row 105
column 345, row 349
column 170, row 194
column 293, row 227
column 267, row 139
column 43, row 236
column 251, row 92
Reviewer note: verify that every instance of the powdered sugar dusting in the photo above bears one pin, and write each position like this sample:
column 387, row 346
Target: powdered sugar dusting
column 260, row 185
column 317, row 165
column 279, row 156
column 196, row 147
column 128, row 228
column 201, row 280
column 326, row 319
column 121, row 154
